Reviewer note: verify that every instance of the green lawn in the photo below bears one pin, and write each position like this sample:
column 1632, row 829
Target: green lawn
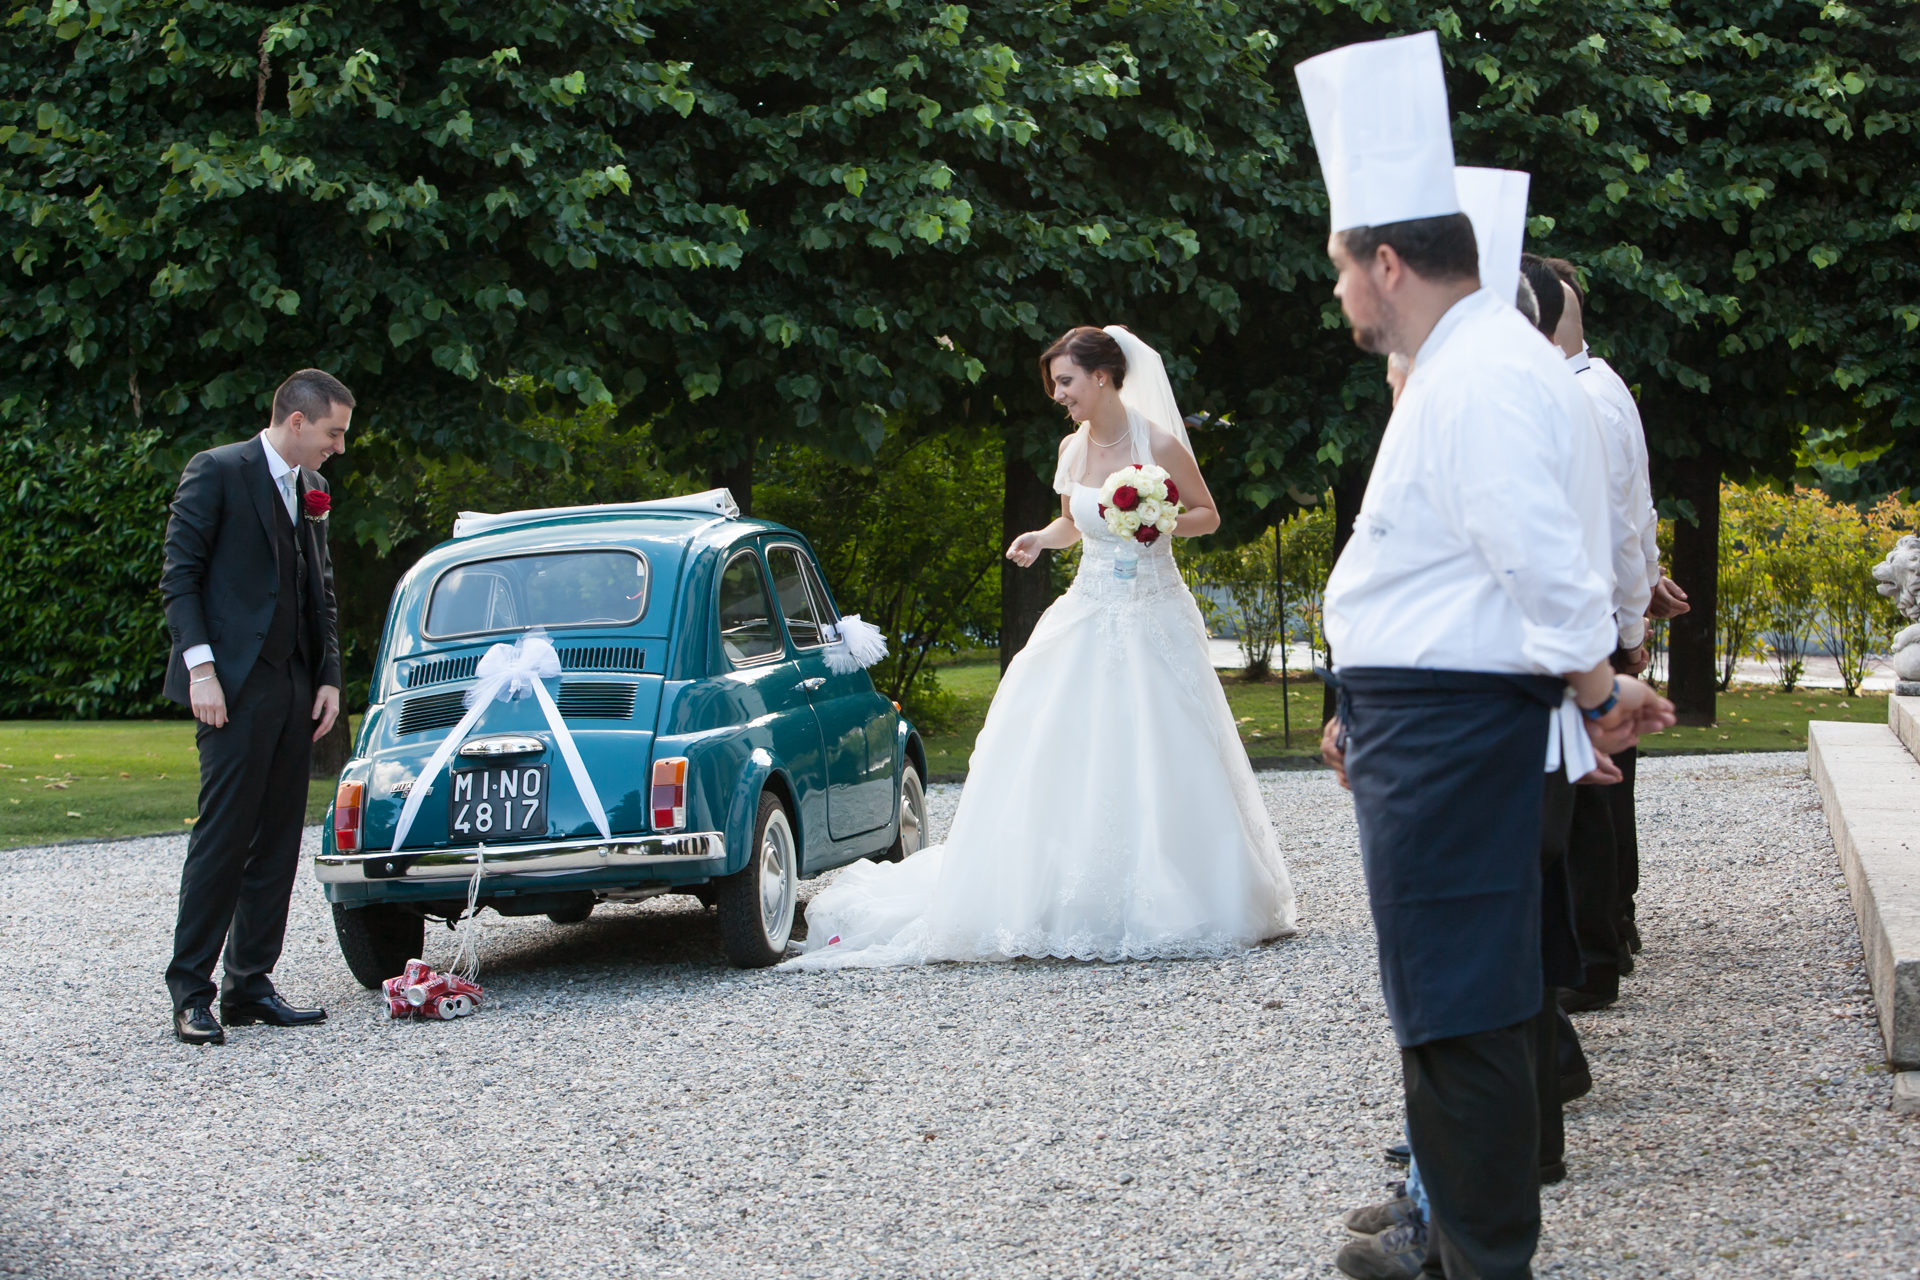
column 62, row 780
column 70, row 780
column 1752, row 718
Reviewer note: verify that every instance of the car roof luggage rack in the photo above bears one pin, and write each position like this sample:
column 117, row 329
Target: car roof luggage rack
column 712, row 502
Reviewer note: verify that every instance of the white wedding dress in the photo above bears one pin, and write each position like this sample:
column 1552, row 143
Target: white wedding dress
column 1109, row 812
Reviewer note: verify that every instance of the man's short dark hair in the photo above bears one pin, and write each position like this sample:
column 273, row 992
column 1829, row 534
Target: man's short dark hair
column 1438, row 249
column 1546, row 291
column 1571, row 278
column 312, row 393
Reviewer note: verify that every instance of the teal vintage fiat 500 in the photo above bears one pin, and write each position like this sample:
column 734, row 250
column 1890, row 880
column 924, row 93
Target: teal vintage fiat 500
column 600, row 704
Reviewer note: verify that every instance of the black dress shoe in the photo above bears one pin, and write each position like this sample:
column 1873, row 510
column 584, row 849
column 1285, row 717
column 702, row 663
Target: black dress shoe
column 1399, row 1153
column 1625, row 962
column 1552, row 1173
column 1587, row 999
column 271, row 1010
column 1633, row 937
column 1577, row 1084
column 195, row 1025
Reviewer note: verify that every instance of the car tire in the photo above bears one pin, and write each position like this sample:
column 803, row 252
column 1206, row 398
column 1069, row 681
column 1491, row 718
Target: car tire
column 571, row 915
column 378, row 940
column 757, row 904
column 911, row 836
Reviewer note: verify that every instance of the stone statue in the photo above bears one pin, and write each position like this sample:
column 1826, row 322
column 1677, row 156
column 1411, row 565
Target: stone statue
column 1899, row 577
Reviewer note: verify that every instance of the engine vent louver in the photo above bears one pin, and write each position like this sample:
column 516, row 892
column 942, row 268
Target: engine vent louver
column 432, row 711
column 596, row 700
column 442, row 670
column 616, row 657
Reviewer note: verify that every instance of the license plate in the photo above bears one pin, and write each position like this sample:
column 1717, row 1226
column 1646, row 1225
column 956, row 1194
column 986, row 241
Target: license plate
column 502, row 801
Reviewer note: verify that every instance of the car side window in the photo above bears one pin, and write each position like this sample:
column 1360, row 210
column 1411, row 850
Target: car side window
column 789, row 568
column 822, row 602
column 746, row 615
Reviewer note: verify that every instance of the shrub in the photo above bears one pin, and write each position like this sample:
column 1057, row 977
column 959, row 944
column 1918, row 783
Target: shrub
column 82, row 529
column 910, row 541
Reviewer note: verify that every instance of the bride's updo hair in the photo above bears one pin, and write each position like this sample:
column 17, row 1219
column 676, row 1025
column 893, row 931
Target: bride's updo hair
column 1090, row 348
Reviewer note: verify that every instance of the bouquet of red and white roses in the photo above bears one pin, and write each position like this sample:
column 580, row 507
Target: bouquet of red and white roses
column 1140, row 502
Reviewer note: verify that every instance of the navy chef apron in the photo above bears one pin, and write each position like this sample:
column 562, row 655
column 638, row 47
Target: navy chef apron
column 1447, row 775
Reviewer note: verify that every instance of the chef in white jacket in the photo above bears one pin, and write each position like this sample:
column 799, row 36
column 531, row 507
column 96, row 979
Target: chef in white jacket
column 1468, row 601
column 1604, row 854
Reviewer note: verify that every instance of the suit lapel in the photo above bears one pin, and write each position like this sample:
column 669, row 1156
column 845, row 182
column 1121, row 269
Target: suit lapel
column 259, row 480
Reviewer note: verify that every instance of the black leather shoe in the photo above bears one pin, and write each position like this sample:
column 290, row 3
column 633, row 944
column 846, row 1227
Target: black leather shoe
column 195, row 1025
column 1577, row 1084
column 1633, row 937
column 1399, row 1153
column 1552, row 1173
column 1625, row 962
column 1587, row 999
column 271, row 1010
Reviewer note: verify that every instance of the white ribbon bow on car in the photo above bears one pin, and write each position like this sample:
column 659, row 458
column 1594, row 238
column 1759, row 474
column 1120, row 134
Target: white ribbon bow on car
column 506, row 672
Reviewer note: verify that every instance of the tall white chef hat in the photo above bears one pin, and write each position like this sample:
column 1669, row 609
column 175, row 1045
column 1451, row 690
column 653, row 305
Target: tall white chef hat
column 1380, row 123
column 1495, row 200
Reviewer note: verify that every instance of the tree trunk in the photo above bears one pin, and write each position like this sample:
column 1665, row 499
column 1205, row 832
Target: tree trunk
column 1692, row 673
column 736, row 476
column 1348, row 490
column 1028, row 503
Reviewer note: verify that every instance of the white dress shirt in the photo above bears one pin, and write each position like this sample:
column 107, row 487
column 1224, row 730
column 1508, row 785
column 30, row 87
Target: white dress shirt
column 286, row 478
column 1636, row 525
column 1481, row 544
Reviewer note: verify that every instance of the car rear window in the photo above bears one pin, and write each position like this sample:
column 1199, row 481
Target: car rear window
column 553, row 589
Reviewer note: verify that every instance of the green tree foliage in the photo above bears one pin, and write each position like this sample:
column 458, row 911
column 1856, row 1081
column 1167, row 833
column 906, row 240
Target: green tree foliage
column 908, row 541
column 1742, row 616
column 421, row 197
column 80, row 627
column 801, row 222
column 1242, row 592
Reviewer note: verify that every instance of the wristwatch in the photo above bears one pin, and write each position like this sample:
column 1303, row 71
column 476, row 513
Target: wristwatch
column 1613, row 699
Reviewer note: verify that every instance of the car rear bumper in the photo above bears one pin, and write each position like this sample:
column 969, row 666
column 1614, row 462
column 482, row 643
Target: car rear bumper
column 546, row 857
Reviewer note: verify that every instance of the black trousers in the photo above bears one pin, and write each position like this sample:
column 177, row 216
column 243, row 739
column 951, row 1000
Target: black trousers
column 1472, row 1122
column 244, row 853
column 1626, row 841
column 1593, row 871
column 1559, row 956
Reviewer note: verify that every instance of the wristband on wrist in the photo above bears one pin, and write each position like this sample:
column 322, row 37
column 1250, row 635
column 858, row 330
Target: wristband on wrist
column 1613, row 699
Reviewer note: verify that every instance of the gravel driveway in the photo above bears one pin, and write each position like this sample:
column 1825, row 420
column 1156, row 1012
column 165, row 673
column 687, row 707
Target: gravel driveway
column 625, row 1104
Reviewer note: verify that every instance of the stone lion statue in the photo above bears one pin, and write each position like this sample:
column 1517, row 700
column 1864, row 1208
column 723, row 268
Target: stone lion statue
column 1899, row 578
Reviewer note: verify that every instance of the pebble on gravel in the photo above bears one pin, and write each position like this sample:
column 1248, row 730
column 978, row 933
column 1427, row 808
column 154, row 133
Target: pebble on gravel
column 624, row 1104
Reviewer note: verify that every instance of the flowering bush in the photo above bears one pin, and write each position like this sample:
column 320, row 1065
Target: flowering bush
column 1140, row 502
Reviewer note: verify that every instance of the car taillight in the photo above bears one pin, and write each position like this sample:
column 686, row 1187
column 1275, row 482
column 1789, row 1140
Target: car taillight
column 346, row 816
column 670, row 793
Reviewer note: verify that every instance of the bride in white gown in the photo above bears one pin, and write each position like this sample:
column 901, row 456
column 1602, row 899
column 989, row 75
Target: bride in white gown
column 1109, row 811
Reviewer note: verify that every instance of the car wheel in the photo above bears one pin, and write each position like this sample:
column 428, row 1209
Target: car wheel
column 913, row 818
column 571, row 915
column 378, row 940
column 757, row 902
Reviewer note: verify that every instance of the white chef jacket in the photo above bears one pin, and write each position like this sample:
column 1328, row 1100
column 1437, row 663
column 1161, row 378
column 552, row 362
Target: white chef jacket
column 1482, row 542
column 278, row 468
column 1636, row 525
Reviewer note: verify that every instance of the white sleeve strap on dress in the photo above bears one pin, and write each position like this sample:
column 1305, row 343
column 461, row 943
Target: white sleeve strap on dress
column 1073, row 461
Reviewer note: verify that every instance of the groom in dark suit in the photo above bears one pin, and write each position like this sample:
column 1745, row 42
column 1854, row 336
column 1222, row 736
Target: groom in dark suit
column 248, row 590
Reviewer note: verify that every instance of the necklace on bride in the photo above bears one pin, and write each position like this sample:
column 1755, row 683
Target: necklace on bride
column 1104, row 444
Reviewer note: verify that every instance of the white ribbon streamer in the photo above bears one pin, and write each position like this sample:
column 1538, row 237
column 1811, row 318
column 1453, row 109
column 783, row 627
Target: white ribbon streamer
column 507, row 672
column 1567, row 737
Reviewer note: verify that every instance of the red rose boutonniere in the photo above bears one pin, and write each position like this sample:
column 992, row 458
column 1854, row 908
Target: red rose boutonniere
column 318, row 504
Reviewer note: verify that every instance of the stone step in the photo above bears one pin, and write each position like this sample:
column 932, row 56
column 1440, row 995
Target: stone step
column 1869, row 784
column 1903, row 717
